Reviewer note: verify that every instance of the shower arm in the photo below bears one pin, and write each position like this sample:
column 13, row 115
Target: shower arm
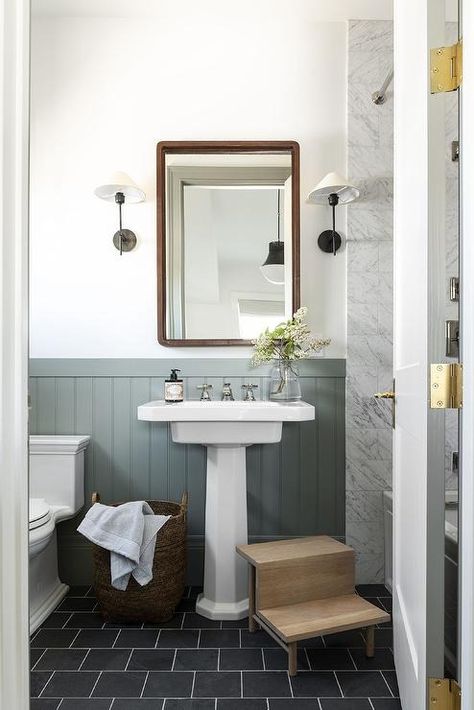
column 379, row 97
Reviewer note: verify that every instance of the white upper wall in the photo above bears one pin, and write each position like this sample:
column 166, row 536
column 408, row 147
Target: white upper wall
column 106, row 89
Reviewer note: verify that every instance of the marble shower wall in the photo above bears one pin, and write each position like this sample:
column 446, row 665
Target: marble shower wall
column 369, row 294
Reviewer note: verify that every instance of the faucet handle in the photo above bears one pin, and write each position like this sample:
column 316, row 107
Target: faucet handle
column 249, row 395
column 205, row 393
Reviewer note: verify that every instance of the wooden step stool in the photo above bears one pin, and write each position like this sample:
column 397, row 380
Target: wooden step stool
column 303, row 588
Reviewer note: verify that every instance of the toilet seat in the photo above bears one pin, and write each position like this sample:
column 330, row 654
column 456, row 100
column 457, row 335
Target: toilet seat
column 39, row 513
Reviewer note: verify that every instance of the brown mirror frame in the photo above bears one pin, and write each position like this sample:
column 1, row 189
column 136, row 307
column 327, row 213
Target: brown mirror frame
column 166, row 147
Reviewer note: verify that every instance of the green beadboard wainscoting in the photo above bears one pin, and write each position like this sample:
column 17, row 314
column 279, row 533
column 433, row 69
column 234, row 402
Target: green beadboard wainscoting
column 296, row 487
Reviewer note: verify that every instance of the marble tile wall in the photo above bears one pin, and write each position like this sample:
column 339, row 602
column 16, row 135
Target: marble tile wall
column 369, row 294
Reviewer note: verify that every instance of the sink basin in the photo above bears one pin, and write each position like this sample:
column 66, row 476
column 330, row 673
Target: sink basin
column 226, row 423
column 225, row 428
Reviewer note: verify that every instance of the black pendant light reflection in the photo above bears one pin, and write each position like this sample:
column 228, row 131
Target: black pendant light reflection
column 273, row 268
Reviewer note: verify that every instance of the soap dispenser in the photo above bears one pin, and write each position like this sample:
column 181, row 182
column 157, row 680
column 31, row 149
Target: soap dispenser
column 174, row 390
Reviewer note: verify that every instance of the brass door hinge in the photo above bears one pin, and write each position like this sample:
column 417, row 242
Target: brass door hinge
column 446, row 386
column 444, row 694
column 446, row 68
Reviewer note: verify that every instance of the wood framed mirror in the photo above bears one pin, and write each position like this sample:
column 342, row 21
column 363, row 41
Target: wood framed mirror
column 228, row 239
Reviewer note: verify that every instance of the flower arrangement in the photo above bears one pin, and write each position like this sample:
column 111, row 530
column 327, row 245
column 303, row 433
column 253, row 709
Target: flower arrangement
column 290, row 340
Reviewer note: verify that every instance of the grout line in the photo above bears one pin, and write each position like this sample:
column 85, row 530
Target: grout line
column 241, row 684
column 371, row 703
column 60, row 703
column 182, row 621
column 199, row 639
column 174, row 659
column 44, row 686
column 157, row 638
column 39, row 659
column 291, row 685
column 83, row 660
column 338, row 684
column 129, row 659
column 111, row 703
column 263, row 660
column 192, row 687
column 68, row 618
column 218, row 659
column 240, row 638
column 352, row 659
column 75, row 637
column 144, row 684
column 95, row 684
column 324, row 641
column 307, row 657
column 388, row 686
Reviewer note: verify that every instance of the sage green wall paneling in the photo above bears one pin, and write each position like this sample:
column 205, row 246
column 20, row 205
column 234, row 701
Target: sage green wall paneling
column 295, row 487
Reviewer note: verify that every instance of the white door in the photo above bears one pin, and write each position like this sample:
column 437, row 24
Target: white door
column 419, row 293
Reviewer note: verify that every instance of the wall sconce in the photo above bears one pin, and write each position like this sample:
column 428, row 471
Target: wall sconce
column 120, row 188
column 333, row 190
column 273, row 268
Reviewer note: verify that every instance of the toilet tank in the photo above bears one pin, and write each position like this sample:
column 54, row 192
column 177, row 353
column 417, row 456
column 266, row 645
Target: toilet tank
column 57, row 470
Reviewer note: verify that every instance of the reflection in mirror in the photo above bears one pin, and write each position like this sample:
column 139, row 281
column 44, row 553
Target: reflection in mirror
column 228, row 242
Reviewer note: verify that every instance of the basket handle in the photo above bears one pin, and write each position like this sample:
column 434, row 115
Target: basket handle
column 95, row 497
column 184, row 501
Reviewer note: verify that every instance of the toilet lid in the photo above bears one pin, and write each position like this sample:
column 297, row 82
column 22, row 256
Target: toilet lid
column 39, row 513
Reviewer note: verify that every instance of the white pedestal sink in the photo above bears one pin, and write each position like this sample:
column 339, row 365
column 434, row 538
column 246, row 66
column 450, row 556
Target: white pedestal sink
column 225, row 428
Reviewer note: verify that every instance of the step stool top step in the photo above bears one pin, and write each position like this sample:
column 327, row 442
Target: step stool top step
column 322, row 616
column 262, row 553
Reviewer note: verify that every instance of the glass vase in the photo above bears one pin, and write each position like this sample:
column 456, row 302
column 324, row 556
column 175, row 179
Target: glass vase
column 284, row 382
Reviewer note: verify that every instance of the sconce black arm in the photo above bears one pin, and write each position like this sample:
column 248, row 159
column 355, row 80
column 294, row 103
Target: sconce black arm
column 329, row 240
column 124, row 239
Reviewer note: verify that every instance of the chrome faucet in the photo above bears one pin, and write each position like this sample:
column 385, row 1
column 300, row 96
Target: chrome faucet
column 227, row 395
column 205, row 392
column 249, row 395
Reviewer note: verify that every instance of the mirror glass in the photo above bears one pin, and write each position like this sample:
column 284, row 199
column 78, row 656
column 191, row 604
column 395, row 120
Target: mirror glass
column 227, row 243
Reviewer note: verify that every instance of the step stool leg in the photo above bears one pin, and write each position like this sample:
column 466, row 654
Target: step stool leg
column 292, row 658
column 370, row 642
column 252, row 623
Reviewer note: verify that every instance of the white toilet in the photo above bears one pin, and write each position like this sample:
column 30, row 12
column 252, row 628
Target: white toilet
column 56, row 493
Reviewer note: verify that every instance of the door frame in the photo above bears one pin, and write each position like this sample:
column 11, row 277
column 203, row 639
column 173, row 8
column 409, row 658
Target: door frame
column 14, row 120
column 466, row 645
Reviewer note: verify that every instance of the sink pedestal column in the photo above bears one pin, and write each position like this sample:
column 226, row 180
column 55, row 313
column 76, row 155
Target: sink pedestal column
column 225, row 594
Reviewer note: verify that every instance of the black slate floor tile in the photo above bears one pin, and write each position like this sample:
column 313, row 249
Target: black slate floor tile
column 315, row 684
column 241, row 659
column 382, row 661
column 38, row 680
column 383, row 638
column 106, row 659
column 163, row 684
column 56, row 620
column 61, row 659
column 372, row 590
column 363, row 684
column 44, row 703
column 136, row 638
column 230, row 638
column 154, row 659
column 346, row 704
column 137, row 704
column 104, row 638
column 178, row 639
column 391, row 678
column 201, row 659
column 316, row 642
column 236, row 624
column 79, row 591
column 386, row 603
column 120, row 684
column 225, row 684
column 194, row 592
column 85, row 704
column 257, row 639
column 241, row 704
column 77, row 604
column 346, row 639
column 85, row 620
column 189, row 704
column 196, row 621
column 276, row 659
column 330, row 659
column 386, row 704
column 54, row 638
column 293, row 704
column 376, row 602
column 268, row 684
column 186, row 605
column 35, row 655
column 174, row 623
column 70, row 684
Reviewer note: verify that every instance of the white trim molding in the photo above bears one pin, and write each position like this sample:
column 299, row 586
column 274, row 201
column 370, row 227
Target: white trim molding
column 14, row 120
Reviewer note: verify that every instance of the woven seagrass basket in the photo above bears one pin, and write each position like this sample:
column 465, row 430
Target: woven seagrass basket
column 157, row 600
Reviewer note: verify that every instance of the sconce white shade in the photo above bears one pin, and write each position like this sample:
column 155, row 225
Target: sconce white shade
column 120, row 182
column 330, row 184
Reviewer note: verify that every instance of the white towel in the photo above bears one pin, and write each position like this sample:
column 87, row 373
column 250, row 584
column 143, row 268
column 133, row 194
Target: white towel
column 129, row 532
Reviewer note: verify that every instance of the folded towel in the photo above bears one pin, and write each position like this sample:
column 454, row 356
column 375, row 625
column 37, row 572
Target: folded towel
column 129, row 532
